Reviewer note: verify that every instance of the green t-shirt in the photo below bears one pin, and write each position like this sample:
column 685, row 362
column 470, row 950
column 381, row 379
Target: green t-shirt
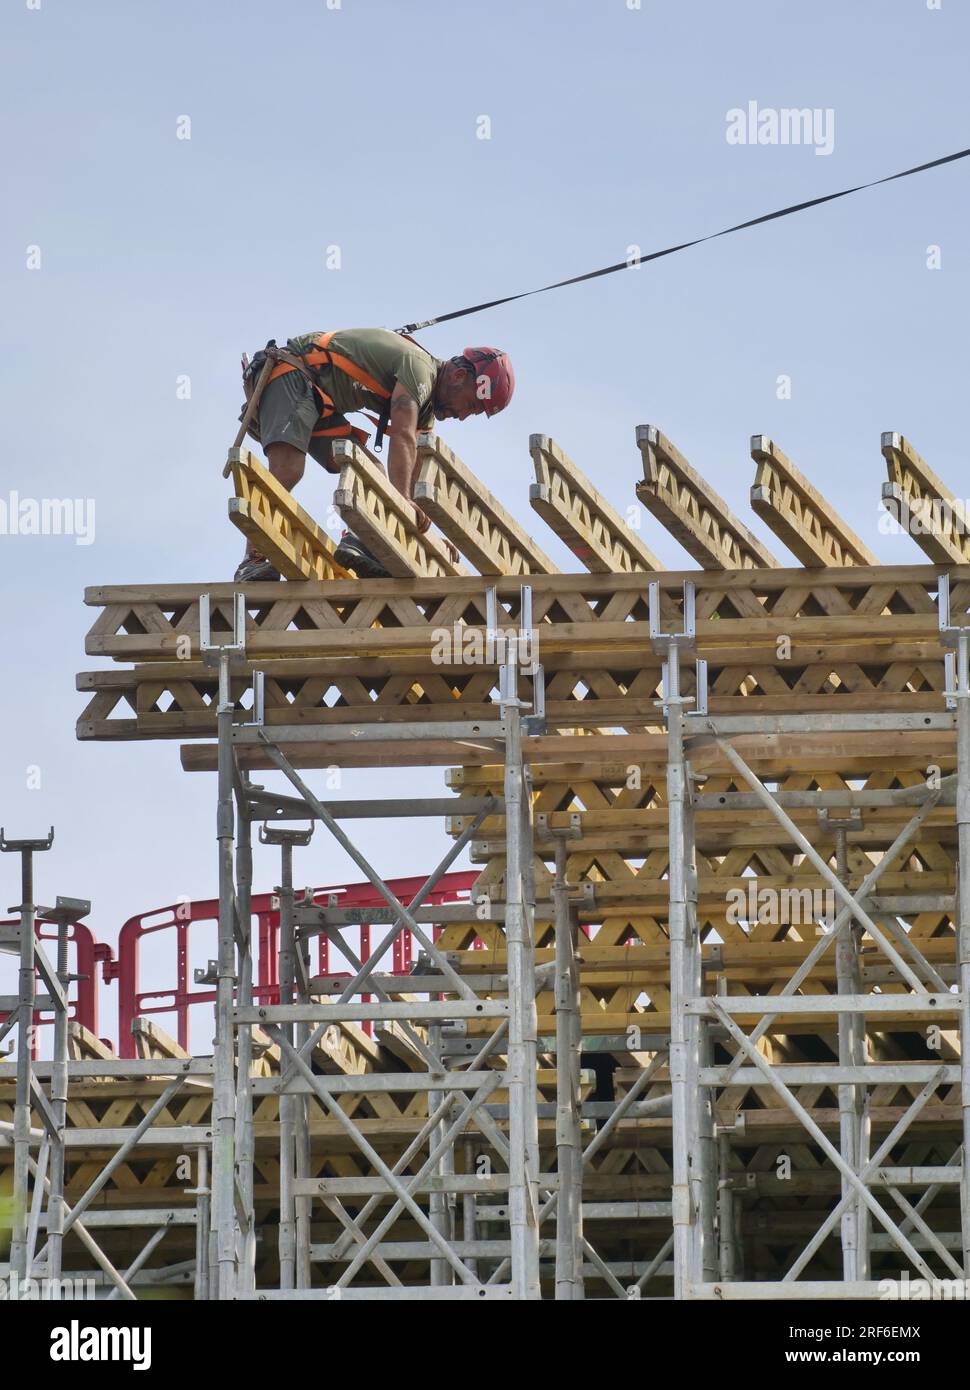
column 383, row 355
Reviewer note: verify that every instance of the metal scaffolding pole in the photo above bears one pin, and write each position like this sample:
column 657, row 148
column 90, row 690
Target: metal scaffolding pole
column 523, row 1115
column 726, row 1213
column 569, row 1151
column 469, row 1222
column 703, row 1152
column 58, row 1094
column 25, row 1037
column 684, row 1213
column 203, row 1217
column 441, row 1200
column 694, row 1189
column 81, row 1231
column 962, row 699
column 224, row 1049
column 245, row 1140
column 66, row 911
column 852, row 1052
column 290, row 1104
column 301, row 1121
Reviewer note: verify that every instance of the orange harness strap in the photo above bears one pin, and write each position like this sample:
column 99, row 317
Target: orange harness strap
column 320, row 355
column 344, row 431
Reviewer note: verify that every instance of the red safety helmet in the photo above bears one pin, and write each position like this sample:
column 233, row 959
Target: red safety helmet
column 494, row 365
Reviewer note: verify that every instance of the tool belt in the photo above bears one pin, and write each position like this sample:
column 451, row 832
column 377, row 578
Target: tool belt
column 276, row 354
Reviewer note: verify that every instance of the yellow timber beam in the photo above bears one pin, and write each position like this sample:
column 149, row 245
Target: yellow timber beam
column 923, row 504
column 581, row 516
column 468, row 514
column 798, row 513
column 385, row 521
column 690, row 509
column 276, row 524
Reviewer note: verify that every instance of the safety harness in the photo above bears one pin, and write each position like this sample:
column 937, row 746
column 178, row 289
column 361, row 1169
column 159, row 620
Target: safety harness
column 309, row 363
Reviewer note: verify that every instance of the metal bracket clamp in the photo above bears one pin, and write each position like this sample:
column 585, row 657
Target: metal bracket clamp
column 491, row 610
column 17, row 846
column 700, row 700
column 848, row 818
column 259, row 702
column 573, row 831
column 66, row 911
column 229, row 656
column 714, row 961
column 685, row 641
column 949, row 679
column 212, row 651
column 513, row 642
column 277, row 835
column 582, row 894
column 943, row 602
column 659, row 640
column 528, row 632
column 508, row 687
column 956, row 662
column 535, row 723
column 513, row 647
column 208, row 976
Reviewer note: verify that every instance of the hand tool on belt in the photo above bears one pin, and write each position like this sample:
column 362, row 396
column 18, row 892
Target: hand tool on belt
column 256, row 374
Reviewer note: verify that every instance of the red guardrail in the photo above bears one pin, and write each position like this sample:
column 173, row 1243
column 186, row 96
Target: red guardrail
column 83, row 957
column 180, row 997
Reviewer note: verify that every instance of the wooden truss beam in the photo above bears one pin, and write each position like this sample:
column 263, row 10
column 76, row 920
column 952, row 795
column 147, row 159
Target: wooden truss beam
column 798, row 513
column 179, row 699
column 581, row 516
column 385, row 520
column 923, row 505
column 677, row 495
column 276, row 524
column 735, row 610
column 468, row 514
column 355, row 651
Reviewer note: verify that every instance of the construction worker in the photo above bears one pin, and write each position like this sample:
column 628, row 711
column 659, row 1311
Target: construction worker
column 320, row 378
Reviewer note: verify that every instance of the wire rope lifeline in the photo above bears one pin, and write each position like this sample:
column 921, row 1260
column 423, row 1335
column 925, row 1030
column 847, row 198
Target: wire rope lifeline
column 633, row 262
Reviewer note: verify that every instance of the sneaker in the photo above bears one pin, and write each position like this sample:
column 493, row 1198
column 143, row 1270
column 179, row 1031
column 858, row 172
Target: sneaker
column 253, row 568
column 354, row 555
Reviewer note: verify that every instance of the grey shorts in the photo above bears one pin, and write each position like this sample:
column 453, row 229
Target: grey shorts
column 289, row 412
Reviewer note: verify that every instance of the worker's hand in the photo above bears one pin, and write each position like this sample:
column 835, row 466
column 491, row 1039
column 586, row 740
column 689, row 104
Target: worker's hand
column 422, row 520
column 452, row 552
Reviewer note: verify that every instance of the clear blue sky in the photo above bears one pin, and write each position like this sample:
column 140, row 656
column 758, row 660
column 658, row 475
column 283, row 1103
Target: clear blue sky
column 356, row 127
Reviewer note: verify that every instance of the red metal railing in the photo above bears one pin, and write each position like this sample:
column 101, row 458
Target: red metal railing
column 180, row 997
column 83, row 958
